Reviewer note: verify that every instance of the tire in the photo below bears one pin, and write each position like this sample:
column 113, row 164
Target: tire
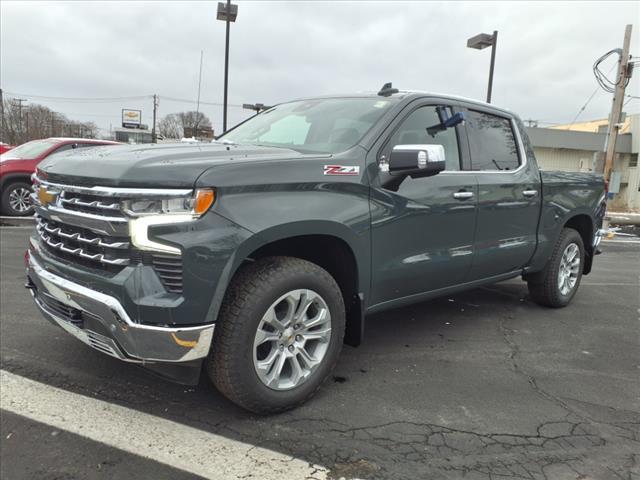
column 14, row 201
column 545, row 287
column 266, row 289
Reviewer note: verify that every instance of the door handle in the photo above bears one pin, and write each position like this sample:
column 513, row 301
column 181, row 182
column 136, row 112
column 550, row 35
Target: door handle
column 530, row 193
column 462, row 195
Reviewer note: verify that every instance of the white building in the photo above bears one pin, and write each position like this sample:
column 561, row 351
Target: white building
column 575, row 150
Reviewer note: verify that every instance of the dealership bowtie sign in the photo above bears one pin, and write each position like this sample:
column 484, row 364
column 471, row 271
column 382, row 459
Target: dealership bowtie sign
column 131, row 118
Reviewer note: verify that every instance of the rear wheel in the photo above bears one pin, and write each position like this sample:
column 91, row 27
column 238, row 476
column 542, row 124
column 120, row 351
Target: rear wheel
column 556, row 285
column 15, row 199
column 278, row 335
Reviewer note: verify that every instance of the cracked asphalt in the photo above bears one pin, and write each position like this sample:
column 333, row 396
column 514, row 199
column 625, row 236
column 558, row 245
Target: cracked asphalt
column 480, row 385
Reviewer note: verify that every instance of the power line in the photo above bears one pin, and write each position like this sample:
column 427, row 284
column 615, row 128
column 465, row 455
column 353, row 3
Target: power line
column 113, row 99
column 79, row 99
column 588, row 101
column 214, row 104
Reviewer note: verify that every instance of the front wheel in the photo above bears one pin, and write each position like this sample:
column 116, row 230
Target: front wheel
column 278, row 335
column 556, row 285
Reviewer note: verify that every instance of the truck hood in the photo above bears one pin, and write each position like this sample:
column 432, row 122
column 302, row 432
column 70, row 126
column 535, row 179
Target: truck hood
column 152, row 165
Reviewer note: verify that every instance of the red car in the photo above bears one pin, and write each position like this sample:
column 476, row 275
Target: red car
column 5, row 147
column 17, row 165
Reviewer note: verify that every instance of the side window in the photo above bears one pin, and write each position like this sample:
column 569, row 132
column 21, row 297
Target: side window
column 86, row 145
column 413, row 131
column 492, row 142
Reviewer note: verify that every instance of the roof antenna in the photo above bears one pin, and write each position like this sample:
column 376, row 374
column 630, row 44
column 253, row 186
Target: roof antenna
column 387, row 90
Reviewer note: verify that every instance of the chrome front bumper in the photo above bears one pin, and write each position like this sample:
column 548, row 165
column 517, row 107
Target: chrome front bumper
column 100, row 321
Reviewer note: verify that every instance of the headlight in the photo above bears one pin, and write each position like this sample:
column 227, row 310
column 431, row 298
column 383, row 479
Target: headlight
column 164, row 211
column 195, row 205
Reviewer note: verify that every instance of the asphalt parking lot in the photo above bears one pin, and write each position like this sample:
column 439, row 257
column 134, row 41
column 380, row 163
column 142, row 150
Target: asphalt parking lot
column 481, row 385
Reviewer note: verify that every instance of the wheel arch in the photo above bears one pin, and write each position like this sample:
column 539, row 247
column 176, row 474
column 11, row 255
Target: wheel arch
column 331, row 246
column 10, row 178
column 583, row 224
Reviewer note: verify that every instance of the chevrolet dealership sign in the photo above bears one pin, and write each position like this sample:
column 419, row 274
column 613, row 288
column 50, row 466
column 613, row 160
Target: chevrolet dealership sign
column 131, row 118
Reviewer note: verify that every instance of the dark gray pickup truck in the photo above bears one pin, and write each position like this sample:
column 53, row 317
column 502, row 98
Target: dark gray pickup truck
column 260, row 254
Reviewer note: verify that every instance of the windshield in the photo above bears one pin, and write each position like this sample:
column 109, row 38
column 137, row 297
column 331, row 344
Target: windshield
column 29, row 150
column 328, row 125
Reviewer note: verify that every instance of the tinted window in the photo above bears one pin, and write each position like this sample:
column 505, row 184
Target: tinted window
column 493, row 146
column 413, row 131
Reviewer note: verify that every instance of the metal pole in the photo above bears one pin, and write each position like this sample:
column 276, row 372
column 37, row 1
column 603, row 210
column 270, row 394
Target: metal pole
column 154, row 136
column 616, row 109
column 493, row 62
column 226, row 69
column 2, row 132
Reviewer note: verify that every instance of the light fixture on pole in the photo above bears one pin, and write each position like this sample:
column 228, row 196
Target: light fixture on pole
column 256, row 107
column 481, row 41
column 227, row 12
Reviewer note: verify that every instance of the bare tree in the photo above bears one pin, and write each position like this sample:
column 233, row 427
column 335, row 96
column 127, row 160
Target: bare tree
column 194, row 119
column 174, row 124
column 170, row 126
column 22, row 123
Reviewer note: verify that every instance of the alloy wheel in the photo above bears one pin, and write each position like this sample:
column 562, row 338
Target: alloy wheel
column 569, row 269
column 292, row 339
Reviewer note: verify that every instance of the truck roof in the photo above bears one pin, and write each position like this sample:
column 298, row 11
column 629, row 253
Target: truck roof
column 409, row 95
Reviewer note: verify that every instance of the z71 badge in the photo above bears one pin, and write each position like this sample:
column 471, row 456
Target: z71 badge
column 341, row 170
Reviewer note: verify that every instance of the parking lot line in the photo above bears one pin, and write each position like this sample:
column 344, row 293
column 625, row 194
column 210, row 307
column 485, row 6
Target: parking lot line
column 171, row 443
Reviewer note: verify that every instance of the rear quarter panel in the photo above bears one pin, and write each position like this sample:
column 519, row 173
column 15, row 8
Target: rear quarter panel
column 566, row 195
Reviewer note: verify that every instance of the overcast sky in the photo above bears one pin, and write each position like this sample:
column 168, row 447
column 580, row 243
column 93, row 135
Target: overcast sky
column 285, row 50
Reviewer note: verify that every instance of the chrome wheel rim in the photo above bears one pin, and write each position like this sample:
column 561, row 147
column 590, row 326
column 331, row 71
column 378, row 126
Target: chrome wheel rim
column 569, row 269
column 19, row 199
column 292, row 339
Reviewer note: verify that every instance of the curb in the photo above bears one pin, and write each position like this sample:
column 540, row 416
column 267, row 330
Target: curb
column 16, row 221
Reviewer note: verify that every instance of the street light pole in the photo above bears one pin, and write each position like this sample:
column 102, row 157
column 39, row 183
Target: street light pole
column 228, row 13
column 226, row 71
column 493, row 62
column 481, row 41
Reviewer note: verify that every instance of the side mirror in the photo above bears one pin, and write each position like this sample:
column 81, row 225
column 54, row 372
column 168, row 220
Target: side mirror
column 416, row 160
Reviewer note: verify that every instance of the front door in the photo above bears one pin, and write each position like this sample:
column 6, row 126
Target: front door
column 422, row 234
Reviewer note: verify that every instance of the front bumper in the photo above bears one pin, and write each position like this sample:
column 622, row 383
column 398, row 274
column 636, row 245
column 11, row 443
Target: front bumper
column 100, row 321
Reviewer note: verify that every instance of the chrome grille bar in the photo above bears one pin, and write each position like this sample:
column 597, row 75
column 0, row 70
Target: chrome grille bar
column 47, row 234
column 94, row 204
column 96, row 241
column 98, row 257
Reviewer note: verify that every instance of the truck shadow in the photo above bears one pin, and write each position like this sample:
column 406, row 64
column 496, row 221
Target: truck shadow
column 398, row 343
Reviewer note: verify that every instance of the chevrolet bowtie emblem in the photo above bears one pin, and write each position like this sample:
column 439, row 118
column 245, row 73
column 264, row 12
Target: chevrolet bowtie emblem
column 46, row 197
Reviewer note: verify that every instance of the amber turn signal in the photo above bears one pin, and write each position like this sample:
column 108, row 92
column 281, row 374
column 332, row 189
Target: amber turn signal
column 203, row 201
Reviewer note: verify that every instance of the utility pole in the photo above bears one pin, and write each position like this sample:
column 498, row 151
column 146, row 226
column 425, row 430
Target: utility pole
column 616, row 110
column 154, row 136
column 20, row 100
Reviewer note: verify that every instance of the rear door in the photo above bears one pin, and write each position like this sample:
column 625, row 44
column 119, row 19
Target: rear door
column 422, row 233
column 509, row 194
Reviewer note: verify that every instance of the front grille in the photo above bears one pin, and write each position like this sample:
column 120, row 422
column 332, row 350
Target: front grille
column 103, row 243
column 83, row 246
column 169, row 269
column 94, row 204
